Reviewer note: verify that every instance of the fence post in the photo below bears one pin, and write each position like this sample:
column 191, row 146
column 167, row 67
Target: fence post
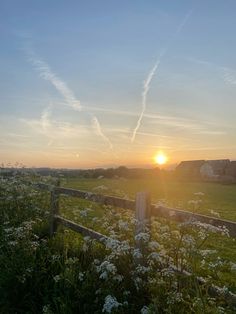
column 54, row 208
column 142, row 216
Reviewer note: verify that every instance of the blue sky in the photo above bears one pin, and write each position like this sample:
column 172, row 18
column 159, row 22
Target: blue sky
column 73, row 76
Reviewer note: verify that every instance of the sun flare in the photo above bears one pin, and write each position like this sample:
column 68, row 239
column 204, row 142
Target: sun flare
column 160, row 158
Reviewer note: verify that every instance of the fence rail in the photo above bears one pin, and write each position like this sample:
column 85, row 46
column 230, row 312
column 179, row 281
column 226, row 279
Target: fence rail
column 160, row 211
column 143, row 212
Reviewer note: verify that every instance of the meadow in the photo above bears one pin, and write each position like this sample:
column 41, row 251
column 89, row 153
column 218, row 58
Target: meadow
column 215, row 200
column 71, row 274
column 218, row 200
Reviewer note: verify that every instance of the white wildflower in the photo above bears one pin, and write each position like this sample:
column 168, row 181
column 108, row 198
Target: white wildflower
column 110, row 304
column 154, row 256
column 142, row 236
column 214, row 213
column 153, row 245
column 144, row 310
column 137, row 254
column 118, row 278
column 205, row 253
column 233, row 266
column 81, row 276
column 100, row 187
column 56, row 278
column 199, row 194
column 123, row 225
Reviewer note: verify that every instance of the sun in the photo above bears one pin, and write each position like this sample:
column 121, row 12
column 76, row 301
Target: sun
column 160, row 158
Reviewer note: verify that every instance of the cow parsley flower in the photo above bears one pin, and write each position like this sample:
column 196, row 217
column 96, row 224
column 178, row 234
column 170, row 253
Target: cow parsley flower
column 110, row 304
column 144, row 310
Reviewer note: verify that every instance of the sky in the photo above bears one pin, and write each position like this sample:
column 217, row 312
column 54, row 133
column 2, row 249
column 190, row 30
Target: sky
column 106, row 83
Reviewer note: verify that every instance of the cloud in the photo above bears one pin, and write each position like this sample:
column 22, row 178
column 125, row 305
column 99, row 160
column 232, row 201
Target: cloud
column 55, row 130
column 99, row 132
column 183, row 23
column 147, row 82
column 47, row 74
column 45, row 120
column 228, row 75
column 146, row 87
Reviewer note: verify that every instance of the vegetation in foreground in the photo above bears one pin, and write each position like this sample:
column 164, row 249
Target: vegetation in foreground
column 69, row 274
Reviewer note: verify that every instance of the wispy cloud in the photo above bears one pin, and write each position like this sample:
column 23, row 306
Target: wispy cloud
column 98, row 130
column 147, row 82
column 227, row 74
column 47, row 74
column 146, row 87
column 183, row 23
column 55, row 130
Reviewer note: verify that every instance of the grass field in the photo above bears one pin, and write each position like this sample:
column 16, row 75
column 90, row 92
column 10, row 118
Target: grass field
column 217, row 201
column 217, row 198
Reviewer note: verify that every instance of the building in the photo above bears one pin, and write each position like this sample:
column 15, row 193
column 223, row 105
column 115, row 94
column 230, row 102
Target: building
column 221, row 170
column 231, row 169
column 189, row 169
column 214, row 169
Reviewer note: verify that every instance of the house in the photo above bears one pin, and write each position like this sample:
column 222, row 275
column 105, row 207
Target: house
column 231, row 169
column 189, row 169
column 214, row 169
column 221, row 170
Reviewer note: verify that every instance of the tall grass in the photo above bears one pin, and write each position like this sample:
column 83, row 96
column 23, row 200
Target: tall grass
column 71, row 274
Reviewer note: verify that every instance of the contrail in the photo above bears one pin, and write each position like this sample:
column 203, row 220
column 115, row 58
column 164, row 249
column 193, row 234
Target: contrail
column 146, row 87
column 228, row 75
column 47, row 74
column 184, row 21
column 147, row 82
column 45, row 119
column 99, row 131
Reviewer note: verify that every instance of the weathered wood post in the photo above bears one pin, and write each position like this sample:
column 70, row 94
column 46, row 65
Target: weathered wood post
column 142, row 216
column 54, row 208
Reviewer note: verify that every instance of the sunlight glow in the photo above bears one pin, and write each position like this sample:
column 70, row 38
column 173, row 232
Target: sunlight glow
column 160, row 158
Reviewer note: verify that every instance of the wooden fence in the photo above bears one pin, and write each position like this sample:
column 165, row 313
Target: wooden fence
column 144, row 210
column 142, row 207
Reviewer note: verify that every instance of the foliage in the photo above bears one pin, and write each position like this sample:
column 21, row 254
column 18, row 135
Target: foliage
column 71, row 274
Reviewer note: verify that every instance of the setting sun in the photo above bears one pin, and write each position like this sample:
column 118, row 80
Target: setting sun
column 160, row 158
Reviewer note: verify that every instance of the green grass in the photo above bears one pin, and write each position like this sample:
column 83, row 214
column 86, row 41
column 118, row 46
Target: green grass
column 220, row 198
column 67, row 273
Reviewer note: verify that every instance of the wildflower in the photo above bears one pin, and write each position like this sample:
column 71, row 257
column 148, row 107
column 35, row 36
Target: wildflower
column 144, row 310
column 142, row 269
column 205, row 253
column 56, row 278
column 46, row 309
column 142, row 236
column 199, row 194
column 138, row 281
column 13, row 243
column 153, row 245
column 101, row 187
column 214, row 213
column 154, row 256
column 110, row 304
column 106, row 268
column 123, row 225
column 137, row 254
column 126, row 293
column 233, row 266
column 81, row 276
column 194, row 202
column 118, row 278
